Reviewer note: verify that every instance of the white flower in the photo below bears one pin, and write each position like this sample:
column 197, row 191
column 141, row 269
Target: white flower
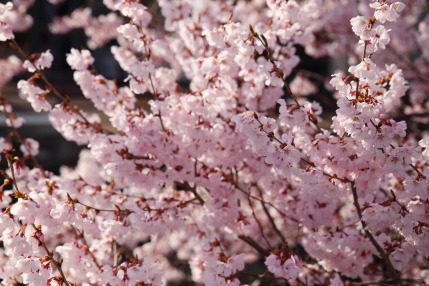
column 287, row 268
column 40, row 61
column 30, row 147
column 385, row 12
column 24, row 210
column 79, row 60
column 5, row 28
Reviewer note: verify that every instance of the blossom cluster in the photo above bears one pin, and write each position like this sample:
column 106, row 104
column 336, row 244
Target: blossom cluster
column 233, row 173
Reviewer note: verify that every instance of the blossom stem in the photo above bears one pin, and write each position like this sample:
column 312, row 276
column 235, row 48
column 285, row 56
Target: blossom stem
column 270, row 218
column 81, row 235
column 50, row 254
column 250, row 241
column 358, row 80
column 65, row 99
column 279, row 73
column 12, row 170
column 391, row 271
column 9, row 114
column 261, row 229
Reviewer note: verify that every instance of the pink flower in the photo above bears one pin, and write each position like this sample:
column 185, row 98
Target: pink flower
column 6, row 225
column 39, row 61
column 9, row 67
column 381, row 37
column 79, row 60
column 135, row 10
column 284, row 264
column 24, row 210
column 300, row 85
column 360, row 24
column 424, row 143
column 211, row 171
column 35, row 95
column 377, row 216
column 148, row 272
column 30, row 147
column 5, row 145
column 5, row 28
column 79, row 18
column 15, row 121
column 336, row 281
column 214, row 37
column 387, row 12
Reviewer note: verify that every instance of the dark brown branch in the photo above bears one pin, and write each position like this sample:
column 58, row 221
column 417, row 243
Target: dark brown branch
column 270, row 218
column 261, row 229
column 50, row 254
column 65, row 99
column 81, row 236
column 178, row 186
column 280, row 74
column 390, row 268
column 250, row 241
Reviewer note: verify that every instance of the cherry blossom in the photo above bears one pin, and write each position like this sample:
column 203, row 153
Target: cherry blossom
column 30, row 147
column 9, row 68
column 387, row 12
column 220, row 157
column 283, row 264
column 5, row 27
column 39, row 61
column 79, row 60
column 34, row 95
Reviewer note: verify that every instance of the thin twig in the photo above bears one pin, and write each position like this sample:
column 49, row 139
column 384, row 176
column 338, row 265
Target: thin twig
column 65, row 99
column 81, row 236
column 261, row 229
column 250, row 241
column 390, row 268
column 50, row 254
column 270, row 218
column 280, row 74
